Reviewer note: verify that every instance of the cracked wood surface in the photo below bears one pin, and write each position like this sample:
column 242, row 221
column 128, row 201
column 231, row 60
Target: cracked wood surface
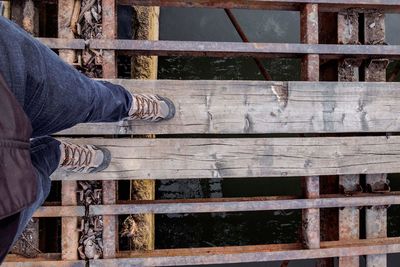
column 236, row 107
column 244, row 157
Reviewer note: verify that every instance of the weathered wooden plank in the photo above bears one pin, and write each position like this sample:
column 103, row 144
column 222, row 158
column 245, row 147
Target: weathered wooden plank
column 326, row 5
column 228, row 107
column 245, row 254
column 243, row 157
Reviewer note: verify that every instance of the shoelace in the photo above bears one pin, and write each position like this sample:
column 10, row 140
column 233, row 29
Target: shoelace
column 142, row 112
column 76, row 156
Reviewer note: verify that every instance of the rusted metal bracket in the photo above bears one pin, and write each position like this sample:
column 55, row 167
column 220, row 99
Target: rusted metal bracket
column 379, row 187
column 378, row 63
column 354, row 191
column 348, row 69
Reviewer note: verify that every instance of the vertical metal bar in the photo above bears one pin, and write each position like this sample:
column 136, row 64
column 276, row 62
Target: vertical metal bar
column 375, row 71
column 6, row 12
column 376, row 222
column 109, row 222
column 309, row 35
column 310, row 72
column 69, row 232
column 109, row 8
column 329, row 184
column 65, row 10
column 109, row 32
column 145, row 67
column 349, row 218
column 310, row 217
column 30, row 19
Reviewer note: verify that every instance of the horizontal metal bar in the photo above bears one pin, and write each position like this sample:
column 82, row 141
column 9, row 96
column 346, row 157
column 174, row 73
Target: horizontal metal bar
column 325, row 5
column 230, row 49
column 44, row 263
column 234, row 254
column 63, row 43
column 253, row 205
column 40, row 256
column 224, row 205
column 60, row 211
column 262, row 253
column 225, row 49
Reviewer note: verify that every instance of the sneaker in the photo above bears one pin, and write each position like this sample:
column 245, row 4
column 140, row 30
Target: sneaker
column 151, row 108
column 83, row 158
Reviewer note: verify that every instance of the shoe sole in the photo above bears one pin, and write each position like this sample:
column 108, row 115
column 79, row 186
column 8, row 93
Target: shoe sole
column 171, row 108
column 106, row 161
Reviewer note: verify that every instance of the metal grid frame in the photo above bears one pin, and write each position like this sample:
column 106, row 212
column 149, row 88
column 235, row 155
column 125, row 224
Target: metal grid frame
column 348, row 248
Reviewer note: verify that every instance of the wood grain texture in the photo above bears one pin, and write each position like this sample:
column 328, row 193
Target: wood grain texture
column 245, row 157
column 229, row 107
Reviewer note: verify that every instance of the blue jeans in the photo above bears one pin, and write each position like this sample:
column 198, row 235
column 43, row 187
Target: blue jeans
column 55, row 97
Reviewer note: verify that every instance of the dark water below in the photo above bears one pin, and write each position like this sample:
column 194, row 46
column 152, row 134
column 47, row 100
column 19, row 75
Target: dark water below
column 202, row 230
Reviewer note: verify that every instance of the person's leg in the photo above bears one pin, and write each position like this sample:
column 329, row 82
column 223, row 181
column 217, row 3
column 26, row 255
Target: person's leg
column 56, row 96
column 48, row 154
column 45, row 155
